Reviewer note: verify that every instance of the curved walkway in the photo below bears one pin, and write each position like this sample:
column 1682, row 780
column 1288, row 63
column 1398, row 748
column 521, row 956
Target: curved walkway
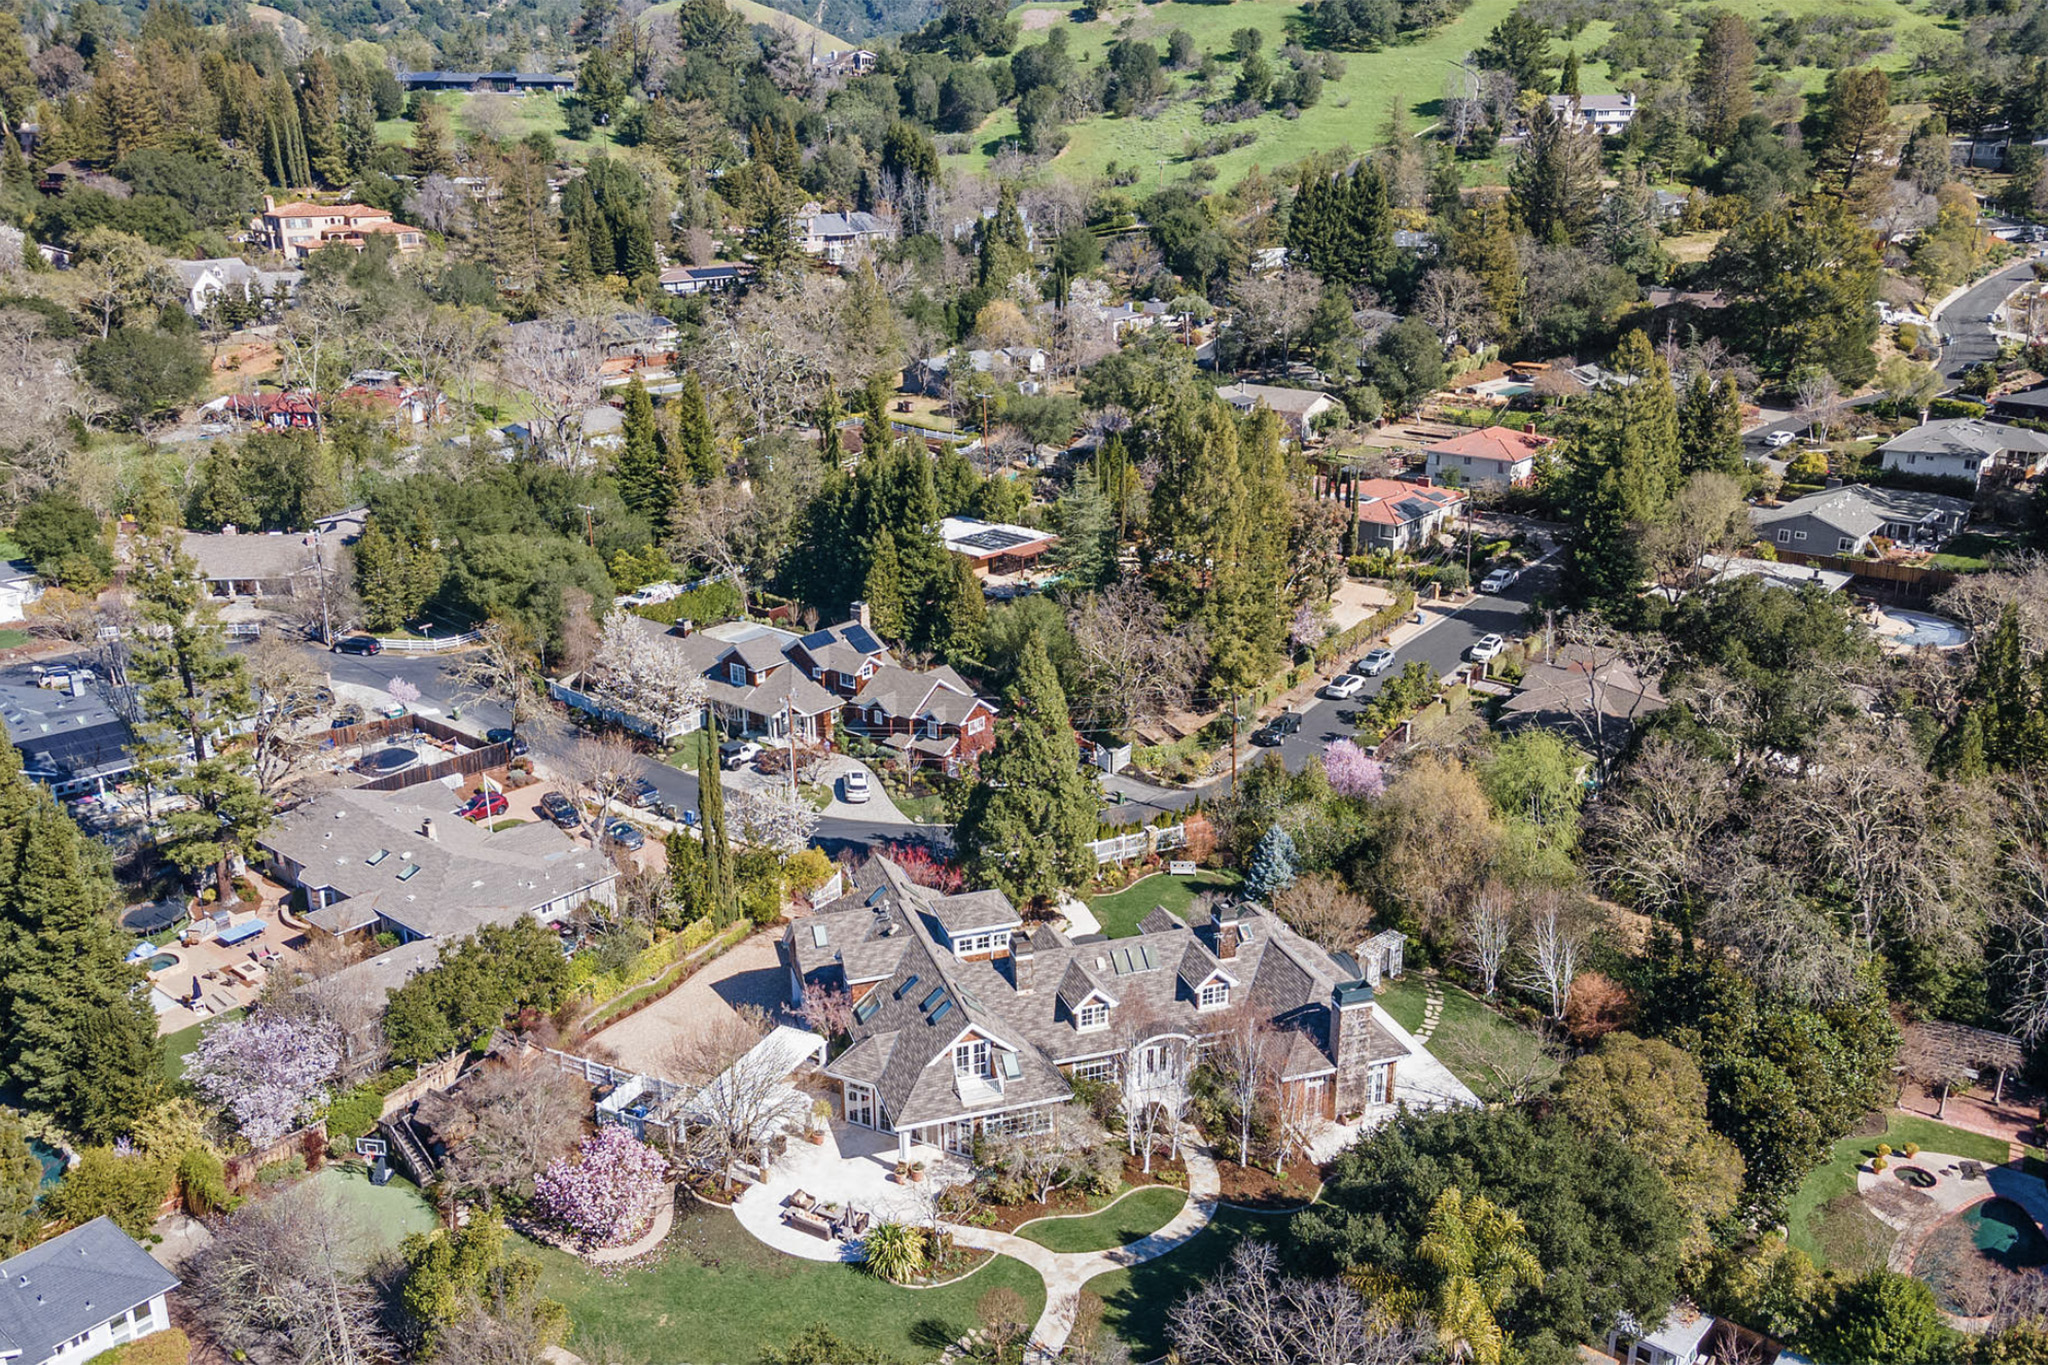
column 1065, row 1273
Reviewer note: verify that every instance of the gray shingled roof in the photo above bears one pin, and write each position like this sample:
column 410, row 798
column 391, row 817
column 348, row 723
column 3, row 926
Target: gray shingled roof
column 70, row 1285
column 1966, row 436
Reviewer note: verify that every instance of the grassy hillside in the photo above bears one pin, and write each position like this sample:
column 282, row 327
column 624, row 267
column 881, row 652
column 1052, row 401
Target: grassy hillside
column 807, row 35
column 1352, row 109
column 530, row 113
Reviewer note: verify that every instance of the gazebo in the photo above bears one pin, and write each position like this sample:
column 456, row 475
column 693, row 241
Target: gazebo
column 1944, row 1054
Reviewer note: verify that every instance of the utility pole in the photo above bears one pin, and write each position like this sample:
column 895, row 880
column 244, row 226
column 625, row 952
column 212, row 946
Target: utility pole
column 1233, row 743
column 320, row 561
column 789, row 725
column 589, row 527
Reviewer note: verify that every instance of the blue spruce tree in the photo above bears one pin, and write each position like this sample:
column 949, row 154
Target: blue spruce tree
column 1272, row 866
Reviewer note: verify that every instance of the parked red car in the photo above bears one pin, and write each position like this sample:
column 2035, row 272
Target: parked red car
column 485, row 805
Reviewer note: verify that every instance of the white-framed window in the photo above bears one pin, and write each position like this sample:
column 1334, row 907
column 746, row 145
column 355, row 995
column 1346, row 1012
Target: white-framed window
column 1214, row 995
column 971, row 1059
column 1092, row 1016
column 974, row 727
column 1099, row 1069
column 1784, row 537
column 1376, row 1085
column 1799, row 535
column 1844, row 544
column 816, row 672
column 736, row 673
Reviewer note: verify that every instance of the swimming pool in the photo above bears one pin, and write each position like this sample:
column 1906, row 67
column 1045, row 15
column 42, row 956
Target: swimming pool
column 1918, row 630
column 161, row 961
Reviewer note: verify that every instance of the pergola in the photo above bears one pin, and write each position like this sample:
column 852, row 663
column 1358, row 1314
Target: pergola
column 1943, row 1054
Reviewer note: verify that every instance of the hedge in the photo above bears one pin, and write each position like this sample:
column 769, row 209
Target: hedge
column 354, row 1112
column 650, row 962
column 168, row 1347
column 714, row 602
column 1954, row 407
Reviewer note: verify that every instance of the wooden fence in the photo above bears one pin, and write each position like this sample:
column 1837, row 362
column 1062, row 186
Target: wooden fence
column 1911, row 578
column 387, row 727
column 434, row 1076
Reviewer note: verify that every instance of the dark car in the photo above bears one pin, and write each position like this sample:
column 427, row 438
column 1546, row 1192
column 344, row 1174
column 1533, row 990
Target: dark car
column 561, row 810
column 625, row 835
column 358, row 644
column 484, row 806
column 643, row 794
column 520, row 748
column 1278, row 728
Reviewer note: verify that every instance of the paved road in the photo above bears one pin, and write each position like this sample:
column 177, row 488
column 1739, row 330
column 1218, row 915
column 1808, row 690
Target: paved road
column 1963, row 319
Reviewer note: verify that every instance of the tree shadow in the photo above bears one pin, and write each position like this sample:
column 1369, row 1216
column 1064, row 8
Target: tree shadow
column 932, row 1334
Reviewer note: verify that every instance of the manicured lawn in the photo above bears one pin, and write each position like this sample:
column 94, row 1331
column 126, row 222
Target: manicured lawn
column 178, row 1046
column 1138, row 1214
column 13, row 639
column 1121, row 912
column 1825, row 1224
column 1135, row 1302
column 689, row 750
column 716, row 1294
column 382, row 1216
column 1485, row 1050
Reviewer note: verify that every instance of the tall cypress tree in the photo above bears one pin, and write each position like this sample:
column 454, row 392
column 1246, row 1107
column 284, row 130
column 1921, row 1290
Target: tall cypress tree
column 696, row 449
column 882, row 589
column 640, row 471
column 1028, row 821
column 718, row 889
column 1710, row 426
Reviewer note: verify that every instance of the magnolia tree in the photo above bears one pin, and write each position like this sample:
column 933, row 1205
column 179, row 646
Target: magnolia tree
column 641, row 672
column 1352, row 773
column 270, row 1072
column 775, row 819
column 608, row 1192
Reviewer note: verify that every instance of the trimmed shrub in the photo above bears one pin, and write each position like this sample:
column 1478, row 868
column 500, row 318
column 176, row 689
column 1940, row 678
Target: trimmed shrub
column 168, row 1347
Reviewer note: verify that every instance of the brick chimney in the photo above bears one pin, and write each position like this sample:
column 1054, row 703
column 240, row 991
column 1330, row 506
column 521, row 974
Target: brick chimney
column 1223, row 923
column 1351, row 1043
column 1022, row 959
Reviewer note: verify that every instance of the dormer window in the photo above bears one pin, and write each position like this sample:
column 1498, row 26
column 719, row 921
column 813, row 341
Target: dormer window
column 1091, row 1016
column 971, row 1059
column 736, row 673
column 1214, row 995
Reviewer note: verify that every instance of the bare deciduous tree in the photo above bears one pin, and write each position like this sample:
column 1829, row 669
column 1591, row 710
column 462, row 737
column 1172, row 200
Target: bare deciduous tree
column 1555, row 945
column 1321, row 908
column 556, row 362
column 1249, row 1051
column 495, row 671
column 1488, row 936
column 1136, row 664
column 1655, row 837
column 39, row 391
column 1255, row 1314
column 1053, row 1159
column 1274, row 310
column 287, row 692
column 282, row 1284
column 607, row 766
column 740, row 1098
column 526, row 1116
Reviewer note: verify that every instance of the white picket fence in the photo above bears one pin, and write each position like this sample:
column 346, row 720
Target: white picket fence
column 407, row 645
column 1121, row 848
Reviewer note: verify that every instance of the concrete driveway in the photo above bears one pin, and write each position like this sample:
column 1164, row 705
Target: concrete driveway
column 747, row 975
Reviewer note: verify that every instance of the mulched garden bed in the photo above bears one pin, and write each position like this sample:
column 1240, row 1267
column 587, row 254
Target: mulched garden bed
column 1259, row 1188
column 1069, row 1202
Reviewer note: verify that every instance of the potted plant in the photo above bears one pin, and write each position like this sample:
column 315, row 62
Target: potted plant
column 1884, row 1149
column 1878, row 1163
column 821, row 1118
column 902, row 1172
column 916, row 1172
column 1912, row 1149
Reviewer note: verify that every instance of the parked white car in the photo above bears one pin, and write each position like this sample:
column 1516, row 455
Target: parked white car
column 1778, row 440
column 738, row 754
column 1500, row 580
column 649, row 595
column 1485, row 648
column 1375, row 662
column 1344, row 687
column 853, row 788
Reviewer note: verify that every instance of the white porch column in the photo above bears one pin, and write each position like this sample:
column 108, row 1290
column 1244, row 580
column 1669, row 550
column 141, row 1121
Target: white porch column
column 903, row 1144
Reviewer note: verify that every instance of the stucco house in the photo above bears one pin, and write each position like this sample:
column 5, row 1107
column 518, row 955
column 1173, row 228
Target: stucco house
column 1493, row 454
column 1395, row 515
column 1968, row 448
column 965, row 1024
column 298, row 229
column 1607, row 115
column 80, row 1293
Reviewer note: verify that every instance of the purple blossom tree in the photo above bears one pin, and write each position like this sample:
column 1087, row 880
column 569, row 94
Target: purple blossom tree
column 269, row 1072
column 608, row 1192
column 1352, row 773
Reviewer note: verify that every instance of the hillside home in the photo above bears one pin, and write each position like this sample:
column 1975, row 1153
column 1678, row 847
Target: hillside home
column 1847, row 520
column 298, row 229
column 839, row 236
column 966, row 1025
column 1495, row 454
column 80, row 1293
column 1968, row 448
column 1396, row 516
column 207, row 282
column 1607, row 115
column 1298, row 408
column 684, row 281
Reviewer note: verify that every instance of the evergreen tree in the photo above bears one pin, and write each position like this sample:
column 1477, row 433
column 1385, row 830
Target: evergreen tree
column 1085, row 556
column 1030, row 817
column 882, row 589
column 641, row 470
column 62, row 968
column 696, row 445
column 320, row 115
column 959, row 612
column 1554, row 185
column 2004, row 726
column 718, row 879
column 1854, row 159
column 1710, row 426
column 18, row 92
column 1623, row 465
column 220, row 827
column 1724, row 77
column 1801, row 281
column 21, row 1180
column 1568, row 77
column 1272, row 866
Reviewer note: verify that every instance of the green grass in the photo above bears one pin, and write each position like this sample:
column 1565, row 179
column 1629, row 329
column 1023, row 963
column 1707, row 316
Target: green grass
column 1352, row 109
column 1135, row 1302
column 178, row 1046
column 688, row 753
column 1819, row 1220
column 13, row 639
column 1121, row 911
column 717, row 1295
column 754, row 12
column 382, row 1216
column 1139, row 1214
column 528, row 114
column 511, row 822
column 1483, row 1049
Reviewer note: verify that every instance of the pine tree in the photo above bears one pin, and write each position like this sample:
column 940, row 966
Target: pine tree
column 718, row 887
column 1622, row 466
column 1710, row 426
column 18, row 92
column 1568, row 78
column 62, row 967
column 959, row 612
column 696, row 445
column 1854, row 159
column 640, row 470
column 1555, row 182
column 1723, row 77
column 1085, row 556
column 21, row 1181
column 882, row 590
column 1272, row 865
column 320, row 114
column 1030, row 817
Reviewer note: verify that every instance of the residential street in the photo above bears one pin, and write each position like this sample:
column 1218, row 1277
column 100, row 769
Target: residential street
column 1963, row 319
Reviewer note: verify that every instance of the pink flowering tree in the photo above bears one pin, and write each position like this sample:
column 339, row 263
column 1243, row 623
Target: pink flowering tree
column 1352, row 773
column 403, row 692
column 608, row 1192
column 269, row 1072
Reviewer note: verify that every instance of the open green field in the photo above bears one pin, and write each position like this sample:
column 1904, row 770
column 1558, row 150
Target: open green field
column 807, row 35
column 1352, row 110
column 1484, row 1049
column 1121, row 912
column 1138, row 1214
column 524, row 114
column 1826, row 1220
column 715, row 1294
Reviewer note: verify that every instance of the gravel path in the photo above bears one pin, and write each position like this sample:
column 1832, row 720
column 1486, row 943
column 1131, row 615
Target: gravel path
column 747, row 975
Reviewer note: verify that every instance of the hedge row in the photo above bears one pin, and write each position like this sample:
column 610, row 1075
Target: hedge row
column 355, row 1112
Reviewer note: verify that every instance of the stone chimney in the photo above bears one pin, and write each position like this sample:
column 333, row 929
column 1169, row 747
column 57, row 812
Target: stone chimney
column 1023, row 957
column 268, row 203
column 1351, row 1043
column 228, row 529
column 1223, row 923
column 860, row 614
column 427, row 828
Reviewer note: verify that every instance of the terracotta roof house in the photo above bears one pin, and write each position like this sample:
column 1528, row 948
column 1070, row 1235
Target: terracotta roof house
column 1490, row 455
column 964, row 1024
column 1299, row 408
column 298, row 229
column 80, row 1293
column 1398, row 516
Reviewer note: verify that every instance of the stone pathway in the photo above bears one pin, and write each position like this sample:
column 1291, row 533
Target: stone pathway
column 1432, row 1008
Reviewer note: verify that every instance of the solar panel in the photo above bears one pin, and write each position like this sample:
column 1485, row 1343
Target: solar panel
column 861, row 639
column 817, row 639
column 994, row 540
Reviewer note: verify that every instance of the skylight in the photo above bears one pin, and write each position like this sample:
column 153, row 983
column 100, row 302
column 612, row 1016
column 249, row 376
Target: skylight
column 411, row 870
column 938, row 994
column 908, row 985
column 818, row 938
column 379, row 856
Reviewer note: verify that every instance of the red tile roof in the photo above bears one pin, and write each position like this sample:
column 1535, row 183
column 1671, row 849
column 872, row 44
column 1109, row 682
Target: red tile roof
column 1502, row 444
column 1391, row 502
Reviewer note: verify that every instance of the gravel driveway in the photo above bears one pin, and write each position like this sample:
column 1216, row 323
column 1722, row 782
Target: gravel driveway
column 747, row 975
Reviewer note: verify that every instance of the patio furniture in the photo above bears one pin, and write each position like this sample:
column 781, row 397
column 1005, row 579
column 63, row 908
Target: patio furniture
column 1972, row 1170
column 809, row 1222
column 801, row 1201
column 857, row 1224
